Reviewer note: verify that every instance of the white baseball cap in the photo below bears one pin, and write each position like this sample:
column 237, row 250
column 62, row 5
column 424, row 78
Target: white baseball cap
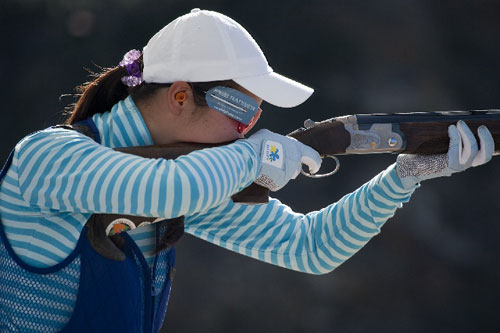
column 205, row 46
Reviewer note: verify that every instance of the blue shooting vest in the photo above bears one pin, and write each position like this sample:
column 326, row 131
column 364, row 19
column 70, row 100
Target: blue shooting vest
column 113, row 296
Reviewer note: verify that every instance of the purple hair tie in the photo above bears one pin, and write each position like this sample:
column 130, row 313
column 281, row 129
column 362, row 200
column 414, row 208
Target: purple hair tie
column 129, row 61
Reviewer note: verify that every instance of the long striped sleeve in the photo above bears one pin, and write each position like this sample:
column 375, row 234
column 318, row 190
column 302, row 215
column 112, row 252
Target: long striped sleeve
column 315, row 243
column 65, row 171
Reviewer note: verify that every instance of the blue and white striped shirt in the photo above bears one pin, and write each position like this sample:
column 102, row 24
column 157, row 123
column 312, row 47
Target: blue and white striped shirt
column 59, row 177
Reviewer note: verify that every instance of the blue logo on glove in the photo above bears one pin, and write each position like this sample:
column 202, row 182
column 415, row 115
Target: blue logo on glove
column 273, row 156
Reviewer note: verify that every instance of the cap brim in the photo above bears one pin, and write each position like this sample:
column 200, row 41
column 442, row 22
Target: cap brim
column 276, row 89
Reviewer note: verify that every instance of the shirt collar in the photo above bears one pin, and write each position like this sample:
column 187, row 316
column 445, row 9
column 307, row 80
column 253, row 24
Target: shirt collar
column 123, row 126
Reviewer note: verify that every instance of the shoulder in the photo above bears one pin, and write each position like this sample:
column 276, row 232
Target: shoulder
column 55, row 133
column 53, row 138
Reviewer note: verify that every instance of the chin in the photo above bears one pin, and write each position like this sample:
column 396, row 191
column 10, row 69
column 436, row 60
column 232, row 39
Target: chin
column 228, row 136
column 219, row 139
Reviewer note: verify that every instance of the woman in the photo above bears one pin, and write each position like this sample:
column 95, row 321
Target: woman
column 202, row 78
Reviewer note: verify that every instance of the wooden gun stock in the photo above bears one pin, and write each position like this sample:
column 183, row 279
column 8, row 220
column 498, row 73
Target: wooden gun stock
column 411, row 133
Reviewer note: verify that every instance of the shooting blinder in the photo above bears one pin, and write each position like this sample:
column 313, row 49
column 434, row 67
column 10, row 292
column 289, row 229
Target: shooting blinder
column 232, row 103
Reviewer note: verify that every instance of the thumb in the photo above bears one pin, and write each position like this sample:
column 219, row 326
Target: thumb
column 487, row 146
column 311, row 158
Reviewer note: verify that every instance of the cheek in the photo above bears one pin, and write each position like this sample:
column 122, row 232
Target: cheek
column 219, row 128
column 226, row 124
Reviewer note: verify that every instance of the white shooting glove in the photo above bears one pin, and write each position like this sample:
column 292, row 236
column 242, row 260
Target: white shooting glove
column 462, row 154
column 281, row 158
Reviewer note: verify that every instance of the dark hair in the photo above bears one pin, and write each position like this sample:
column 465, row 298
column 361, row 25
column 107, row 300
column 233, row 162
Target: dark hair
column 106, row 89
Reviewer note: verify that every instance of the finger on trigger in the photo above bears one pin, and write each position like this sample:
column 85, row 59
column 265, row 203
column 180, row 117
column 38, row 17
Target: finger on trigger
column 312, row 159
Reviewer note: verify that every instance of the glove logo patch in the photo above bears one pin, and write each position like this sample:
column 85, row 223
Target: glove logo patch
column 273, row 154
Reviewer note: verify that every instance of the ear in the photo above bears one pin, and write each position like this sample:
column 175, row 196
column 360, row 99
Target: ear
column 179, row 97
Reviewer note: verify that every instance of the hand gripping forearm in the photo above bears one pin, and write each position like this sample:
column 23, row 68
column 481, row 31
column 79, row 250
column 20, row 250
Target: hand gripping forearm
column 463, row 153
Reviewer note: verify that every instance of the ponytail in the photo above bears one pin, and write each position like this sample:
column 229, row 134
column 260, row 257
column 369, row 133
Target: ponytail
column 98, row 95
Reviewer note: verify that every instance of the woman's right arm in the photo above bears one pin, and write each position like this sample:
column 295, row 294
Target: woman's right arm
column 62, row 170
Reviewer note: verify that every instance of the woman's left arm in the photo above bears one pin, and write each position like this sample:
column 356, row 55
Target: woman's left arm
column 316, row 242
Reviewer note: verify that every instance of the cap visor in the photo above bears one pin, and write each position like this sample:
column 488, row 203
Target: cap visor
column 276, row 89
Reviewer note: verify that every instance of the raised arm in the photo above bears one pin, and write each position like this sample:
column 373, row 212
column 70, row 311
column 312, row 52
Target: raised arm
column 315, row 243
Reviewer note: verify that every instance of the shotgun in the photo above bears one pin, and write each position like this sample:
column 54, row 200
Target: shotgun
column 409, row 133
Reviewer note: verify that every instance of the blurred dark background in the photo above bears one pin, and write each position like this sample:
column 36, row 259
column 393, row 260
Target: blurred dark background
column 435, row 265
